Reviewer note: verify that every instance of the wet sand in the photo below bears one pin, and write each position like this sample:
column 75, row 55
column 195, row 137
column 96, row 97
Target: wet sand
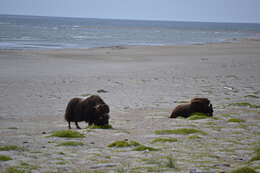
column 142, row 85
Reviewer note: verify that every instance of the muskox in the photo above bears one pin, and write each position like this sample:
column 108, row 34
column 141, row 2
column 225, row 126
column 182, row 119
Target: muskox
column 201, row 105
column 93, row 110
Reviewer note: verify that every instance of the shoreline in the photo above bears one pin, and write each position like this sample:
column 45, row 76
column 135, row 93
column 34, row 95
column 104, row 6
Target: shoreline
column 233, row 40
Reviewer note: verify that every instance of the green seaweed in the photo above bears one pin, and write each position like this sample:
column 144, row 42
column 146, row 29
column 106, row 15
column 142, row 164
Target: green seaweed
column 163, row 140
column 181, row 131
column 101, row 127
column 235, row 120
column 252, row 96
column 5, row 158
column 10, row 148
column 67, row 134
column 243, row 170
column 14, row 170
column 198, row 116
column 71, row 143
column 244, row 104
column 194, row 137
column 255, row 158
column 144, row 148
column 124, row 143
column 170, row 162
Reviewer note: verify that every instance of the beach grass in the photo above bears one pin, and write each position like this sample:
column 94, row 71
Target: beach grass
column 144, row 148
column 235, row 120
column 198, row 116
column 10, row 148
column 124, row 143
column 245, row 104
column 163, row 140
column 181, row 131
column 5, row 158
column 101, row 127
column 244, row 170
column 67, row 134
column 15, row 170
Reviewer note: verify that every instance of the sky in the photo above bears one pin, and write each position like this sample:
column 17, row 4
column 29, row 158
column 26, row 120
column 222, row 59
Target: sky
column 237, row 11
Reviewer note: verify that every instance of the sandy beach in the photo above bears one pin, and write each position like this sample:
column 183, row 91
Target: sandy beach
column 141, row 84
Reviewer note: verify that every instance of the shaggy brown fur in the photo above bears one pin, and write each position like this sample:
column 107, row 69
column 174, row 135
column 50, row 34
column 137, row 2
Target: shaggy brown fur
column 201, row 105
column 92, row 110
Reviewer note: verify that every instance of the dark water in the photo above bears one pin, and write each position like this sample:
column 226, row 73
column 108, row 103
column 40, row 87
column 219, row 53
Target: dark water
column 30, row 32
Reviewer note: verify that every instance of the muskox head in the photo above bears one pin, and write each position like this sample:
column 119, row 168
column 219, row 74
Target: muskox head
column 102, row 116
column 202, row 105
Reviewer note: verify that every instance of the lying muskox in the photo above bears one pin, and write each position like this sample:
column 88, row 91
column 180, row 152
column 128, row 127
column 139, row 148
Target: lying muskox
column 201, row 105
column 92, row 110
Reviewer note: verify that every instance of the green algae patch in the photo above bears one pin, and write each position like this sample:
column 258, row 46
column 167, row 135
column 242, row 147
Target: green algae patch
column 198, row 116
column 194, row 137
column 163, row 140
column 245, row 104
column 67, row 134
column 121, row 144
column 10, row 148
column 71, row 143
column 101, row 127
column 244, row 170
column 225, row 115
column 252, row 96
column 5, row 158
column 255, row 158
column 235, row 120
column 144, row 148
column 257, row 155
column 14, row 170
column 181, row 131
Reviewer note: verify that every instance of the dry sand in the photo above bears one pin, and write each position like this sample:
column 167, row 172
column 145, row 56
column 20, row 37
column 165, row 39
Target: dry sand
column 142, row 84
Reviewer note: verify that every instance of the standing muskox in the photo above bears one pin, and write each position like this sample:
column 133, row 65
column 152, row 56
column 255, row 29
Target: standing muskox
column 201, row 105
column 92, row 110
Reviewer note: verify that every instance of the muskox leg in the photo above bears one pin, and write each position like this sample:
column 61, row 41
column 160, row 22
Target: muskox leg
column 69, row 125
column 76, row 123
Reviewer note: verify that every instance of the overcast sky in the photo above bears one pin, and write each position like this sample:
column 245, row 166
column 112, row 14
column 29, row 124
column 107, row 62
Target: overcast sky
column 176, row 10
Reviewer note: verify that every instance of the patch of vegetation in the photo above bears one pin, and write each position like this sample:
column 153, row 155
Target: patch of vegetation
column 144, row 148
column 245, row 104
column 198, row 116
column 235, row 120
column 88, row 171
column 12, row 128
column 61, row 163
column 255, row 158
column 71, row 143
column 14, row 170
column 26, row 166
column 10, row 147
column 5, row 158
column 101, row 127
column 244, row 170
column 163, row 140
column 257, row 154
column 170, row 162
column 252, row 96
column 181, row 131
column 67, row 134
column 194, row 137
column 225, row 115
column 124, row 143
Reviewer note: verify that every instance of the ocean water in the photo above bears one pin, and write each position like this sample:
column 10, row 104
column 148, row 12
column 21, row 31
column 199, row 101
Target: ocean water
column 33, row 32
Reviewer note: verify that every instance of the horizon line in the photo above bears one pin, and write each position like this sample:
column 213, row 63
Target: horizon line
column 156, row 20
